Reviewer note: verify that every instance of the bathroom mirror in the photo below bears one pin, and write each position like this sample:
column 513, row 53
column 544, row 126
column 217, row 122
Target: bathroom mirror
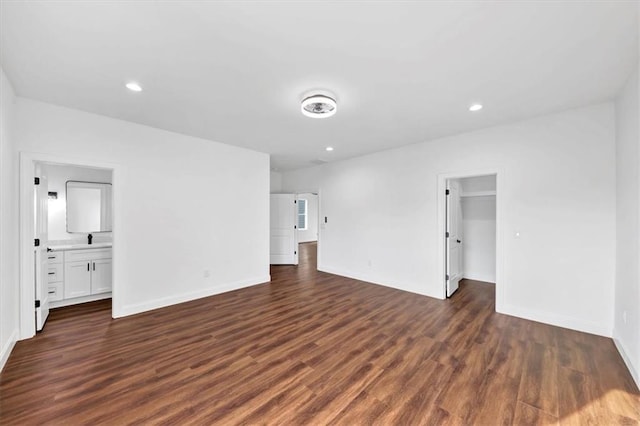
column 88, row 207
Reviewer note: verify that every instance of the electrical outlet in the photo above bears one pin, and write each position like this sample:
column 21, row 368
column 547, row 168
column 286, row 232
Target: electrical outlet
column 369, row 263
column 206, row 273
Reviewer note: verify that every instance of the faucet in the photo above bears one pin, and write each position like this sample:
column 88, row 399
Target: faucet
column 89, row 238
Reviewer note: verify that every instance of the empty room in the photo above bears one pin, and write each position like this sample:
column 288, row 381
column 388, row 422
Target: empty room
column 319, row 212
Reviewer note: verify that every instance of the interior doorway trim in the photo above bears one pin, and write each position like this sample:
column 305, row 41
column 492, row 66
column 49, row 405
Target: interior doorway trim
column 26, row 220
column 501, row 286
column 320, row 219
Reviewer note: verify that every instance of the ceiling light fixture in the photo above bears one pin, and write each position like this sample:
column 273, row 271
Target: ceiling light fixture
column 329, row 148
column 134, row 87
column 475, row 107
column 318, row 106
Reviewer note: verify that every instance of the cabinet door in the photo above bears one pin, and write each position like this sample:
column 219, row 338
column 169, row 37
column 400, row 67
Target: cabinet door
column 77, row 281
column 101, row 276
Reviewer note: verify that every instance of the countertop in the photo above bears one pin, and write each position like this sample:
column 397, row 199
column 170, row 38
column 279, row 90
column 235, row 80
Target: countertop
column 62, row 247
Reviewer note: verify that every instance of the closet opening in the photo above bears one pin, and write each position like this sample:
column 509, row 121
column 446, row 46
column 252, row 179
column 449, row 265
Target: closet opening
column 471, row 236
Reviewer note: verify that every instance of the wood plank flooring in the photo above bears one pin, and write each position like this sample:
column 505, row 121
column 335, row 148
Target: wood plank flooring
column 315, row 348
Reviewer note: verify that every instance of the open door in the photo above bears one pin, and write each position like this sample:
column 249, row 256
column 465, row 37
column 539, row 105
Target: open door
column 453, row 237
column 41, row 281
column 284, row 235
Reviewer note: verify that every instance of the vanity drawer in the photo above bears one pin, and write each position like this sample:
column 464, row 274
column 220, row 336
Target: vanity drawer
column 54, row 257
column 91, row 254
column 55, row 292
column 55, row 272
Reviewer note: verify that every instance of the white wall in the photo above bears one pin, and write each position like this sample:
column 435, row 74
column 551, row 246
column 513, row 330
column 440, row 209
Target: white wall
column 57, row 176
column 275, row 182
column 627, row 291
column 479, row 229
column 311, row 233
column 383, row 218
column 9, row 290
column 178, row 204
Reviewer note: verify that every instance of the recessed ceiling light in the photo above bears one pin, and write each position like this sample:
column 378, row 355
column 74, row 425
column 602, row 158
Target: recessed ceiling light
column 475, row 107
column 318, row 106
column 133, row 86
column 329, row 148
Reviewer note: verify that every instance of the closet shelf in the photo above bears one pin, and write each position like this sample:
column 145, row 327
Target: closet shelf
column 478, row 194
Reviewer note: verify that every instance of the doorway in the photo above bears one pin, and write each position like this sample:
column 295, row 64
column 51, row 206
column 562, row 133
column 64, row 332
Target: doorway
column 295, row 228
column 469, row 213
column 66, row 226
column 308, row 227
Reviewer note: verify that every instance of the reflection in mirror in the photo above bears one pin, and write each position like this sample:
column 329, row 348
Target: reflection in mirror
column 88, row 207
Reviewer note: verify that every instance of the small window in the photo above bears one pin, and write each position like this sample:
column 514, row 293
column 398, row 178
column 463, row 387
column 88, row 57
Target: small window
column 302, row 214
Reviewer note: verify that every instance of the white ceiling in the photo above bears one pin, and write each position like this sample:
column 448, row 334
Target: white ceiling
column 402, row 72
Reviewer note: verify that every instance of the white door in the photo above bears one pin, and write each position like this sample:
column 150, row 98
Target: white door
column 77, row 279
column 41, row 282
column 284, row 235
column 100, row 276
column 454, row 237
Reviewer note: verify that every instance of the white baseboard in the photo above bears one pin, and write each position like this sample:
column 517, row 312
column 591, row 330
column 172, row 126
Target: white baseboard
column 480, row 277
column 78, row 300
column 564, row 321
column 372, row 280
column 627, row 360
column 7, row 348
column 162, row 302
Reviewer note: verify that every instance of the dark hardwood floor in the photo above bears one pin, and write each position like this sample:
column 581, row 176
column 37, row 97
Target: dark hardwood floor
column 315, row 348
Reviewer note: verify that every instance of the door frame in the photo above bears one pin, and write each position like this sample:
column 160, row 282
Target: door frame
column 441, row 223
column 318, row 251
column 26, row 231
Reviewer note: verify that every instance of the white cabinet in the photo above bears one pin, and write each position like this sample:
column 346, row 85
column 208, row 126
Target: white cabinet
column 101, row 276
column 56, row 276
column 77, row 281
column 77, row 276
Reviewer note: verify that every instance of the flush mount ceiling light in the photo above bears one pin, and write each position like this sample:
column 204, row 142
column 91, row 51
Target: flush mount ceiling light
column 318, row 106
column 133, row 86
column 329, row 148
column 475, row 107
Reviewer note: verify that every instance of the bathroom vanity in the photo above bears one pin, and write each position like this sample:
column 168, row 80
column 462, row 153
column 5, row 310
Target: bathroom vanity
column 78, row 273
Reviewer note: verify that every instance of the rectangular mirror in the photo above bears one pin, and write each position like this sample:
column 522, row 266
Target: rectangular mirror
column 88, row 207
